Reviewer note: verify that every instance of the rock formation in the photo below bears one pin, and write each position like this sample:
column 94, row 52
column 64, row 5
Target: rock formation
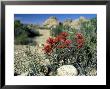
column 75, row 23
column 51, row 22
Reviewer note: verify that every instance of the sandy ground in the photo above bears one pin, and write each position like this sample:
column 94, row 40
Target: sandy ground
column 42, row 39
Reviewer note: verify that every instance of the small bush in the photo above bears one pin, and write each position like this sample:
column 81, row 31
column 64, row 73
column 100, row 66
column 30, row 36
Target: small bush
column 22, row 34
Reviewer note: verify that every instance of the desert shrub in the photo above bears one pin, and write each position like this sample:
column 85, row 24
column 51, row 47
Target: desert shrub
column 32, row 33
column 58, row 49
column 22, row 34
column 58, row 29
column 21, row 39
column 17, row 24
column 80, row 50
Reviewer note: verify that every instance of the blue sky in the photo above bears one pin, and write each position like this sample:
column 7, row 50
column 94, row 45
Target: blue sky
column 40, row 18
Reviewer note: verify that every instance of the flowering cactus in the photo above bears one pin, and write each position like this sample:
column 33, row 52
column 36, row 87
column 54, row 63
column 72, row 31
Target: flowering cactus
column 60, row 41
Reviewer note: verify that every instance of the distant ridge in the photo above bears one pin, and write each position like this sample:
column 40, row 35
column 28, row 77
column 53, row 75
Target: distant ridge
column 53, row 21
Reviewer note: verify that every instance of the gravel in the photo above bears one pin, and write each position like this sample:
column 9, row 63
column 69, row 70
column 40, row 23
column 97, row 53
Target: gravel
column 24, row 56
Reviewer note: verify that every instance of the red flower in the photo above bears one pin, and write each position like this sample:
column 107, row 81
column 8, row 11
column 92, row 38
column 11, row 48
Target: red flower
column 61, row 46
column 79, row 36
column 47, row 48
column 50, row 41
column 67, row 42
column 79, row 40
column 57, row 39
column 65, row 34
column 60, row 41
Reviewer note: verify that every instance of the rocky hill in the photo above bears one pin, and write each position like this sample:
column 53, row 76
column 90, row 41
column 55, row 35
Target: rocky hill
column 51, row 22
column 75, row 23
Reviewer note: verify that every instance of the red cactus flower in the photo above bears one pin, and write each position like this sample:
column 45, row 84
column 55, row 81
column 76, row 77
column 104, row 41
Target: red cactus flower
column 67, row 42
column 65, row 34
column 61, row 46
column 60, row 38
column 79, row 40
column 79, row 36
column 50, row 41
column 47, row 48
column 57, row 39
column 60, row 41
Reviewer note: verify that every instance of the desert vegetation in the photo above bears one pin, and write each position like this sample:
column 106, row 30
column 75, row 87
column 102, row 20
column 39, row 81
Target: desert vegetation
column 71, row 44
column 23, row 33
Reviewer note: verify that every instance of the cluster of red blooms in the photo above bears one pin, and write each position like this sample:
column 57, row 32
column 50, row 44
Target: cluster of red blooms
column 60, row 41
column 79, row 40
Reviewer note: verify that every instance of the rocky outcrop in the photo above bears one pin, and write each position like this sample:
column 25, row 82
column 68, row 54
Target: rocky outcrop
column 75, row 23
column 67, row 22
column 51, row 22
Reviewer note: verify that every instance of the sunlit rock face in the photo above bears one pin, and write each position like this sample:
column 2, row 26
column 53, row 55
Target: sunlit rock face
column 67, row 22
column 76, row 24
column 67, row 70
column 51, row 22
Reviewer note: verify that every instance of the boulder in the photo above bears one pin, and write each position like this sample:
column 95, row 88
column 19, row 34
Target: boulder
column 67, row 70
